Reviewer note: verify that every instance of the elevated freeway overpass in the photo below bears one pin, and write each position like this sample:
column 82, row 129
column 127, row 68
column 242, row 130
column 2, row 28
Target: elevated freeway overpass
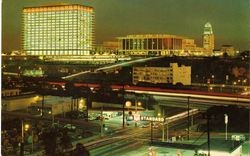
column 180, row 97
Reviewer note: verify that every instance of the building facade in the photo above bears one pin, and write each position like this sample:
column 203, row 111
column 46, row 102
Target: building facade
column 169, row 75
column 208, row 39
column 150, row 45
column 59, row 30
column 190, row 48
column 228, row 49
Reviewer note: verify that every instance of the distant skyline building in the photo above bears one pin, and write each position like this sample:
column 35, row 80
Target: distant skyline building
column 208, row 39
column 58, row 30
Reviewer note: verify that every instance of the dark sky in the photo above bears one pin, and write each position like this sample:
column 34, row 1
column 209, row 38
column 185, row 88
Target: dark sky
column 230, row 19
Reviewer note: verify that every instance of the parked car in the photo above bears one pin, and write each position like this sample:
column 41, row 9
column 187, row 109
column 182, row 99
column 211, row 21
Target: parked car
column 70, row 127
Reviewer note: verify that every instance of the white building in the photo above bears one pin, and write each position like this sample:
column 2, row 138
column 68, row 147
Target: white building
column 169, row 75
column 54, row 105
column 17, row 102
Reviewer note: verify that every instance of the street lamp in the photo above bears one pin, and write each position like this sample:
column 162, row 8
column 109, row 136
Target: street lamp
column 136, row 105
column 226, row 122
column 244, row 81
column 25, row 127
column 212, row 79
column 234, row 86
column 222, row 86
column 136, row 117
column 128, row 104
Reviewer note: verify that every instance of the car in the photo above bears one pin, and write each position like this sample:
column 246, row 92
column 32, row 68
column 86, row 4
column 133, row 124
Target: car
column 70, row 127
column 144, row 125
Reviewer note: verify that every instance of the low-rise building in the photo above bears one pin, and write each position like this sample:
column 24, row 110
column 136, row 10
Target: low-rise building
column 228, row 49
column 53, row 105
column 10, row 92
column 150, row 45
column 169, row 75
column 18, row 102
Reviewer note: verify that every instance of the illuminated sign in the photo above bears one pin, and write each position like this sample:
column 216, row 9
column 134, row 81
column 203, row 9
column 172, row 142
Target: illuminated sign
column 152, row 118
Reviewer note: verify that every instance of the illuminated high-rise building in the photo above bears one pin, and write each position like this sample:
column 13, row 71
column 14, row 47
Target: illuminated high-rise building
column 58, row 30
column 208, row 39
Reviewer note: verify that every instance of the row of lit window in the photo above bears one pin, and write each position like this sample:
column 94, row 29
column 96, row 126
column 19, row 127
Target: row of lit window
column 44, row 44
column 56, row 40
column 58, row 33
column 56, row 43
column 59, row 27
column 56, row 21
column 56, row 48
column 57, row 13
column 57, row 53
column 64, row 23
column 69, row 16
column 59, row 16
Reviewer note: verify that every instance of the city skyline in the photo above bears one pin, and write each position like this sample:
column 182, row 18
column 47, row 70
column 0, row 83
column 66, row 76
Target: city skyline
column 114, row 18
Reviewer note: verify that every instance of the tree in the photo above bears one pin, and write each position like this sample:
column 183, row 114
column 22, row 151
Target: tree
column 80, row 150
column 65, row 140
column 49, row 137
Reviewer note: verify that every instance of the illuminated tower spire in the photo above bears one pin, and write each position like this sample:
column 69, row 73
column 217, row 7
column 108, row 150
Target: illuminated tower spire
column 208, row 39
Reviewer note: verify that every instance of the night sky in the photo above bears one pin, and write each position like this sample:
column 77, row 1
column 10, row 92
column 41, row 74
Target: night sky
column 230, row 19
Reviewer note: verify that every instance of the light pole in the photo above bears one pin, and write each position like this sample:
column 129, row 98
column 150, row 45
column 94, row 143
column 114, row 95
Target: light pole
column 222, row 86
column 188, row 117
column 226, row 122
column 24, row 128
column 212, row 79
column 136, row 105
column 127, row 104
column 22, row 142
column 234, row 86
column 102, row 119
column 163, row 125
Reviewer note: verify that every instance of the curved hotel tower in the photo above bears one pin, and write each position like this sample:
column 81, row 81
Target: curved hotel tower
column 58, row 30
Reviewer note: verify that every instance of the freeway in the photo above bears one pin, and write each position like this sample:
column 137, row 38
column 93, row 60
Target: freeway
column 178, row 97
column 113, row 66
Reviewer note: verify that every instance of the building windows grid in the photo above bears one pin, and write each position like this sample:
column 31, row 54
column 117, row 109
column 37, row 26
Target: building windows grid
column 58, row 30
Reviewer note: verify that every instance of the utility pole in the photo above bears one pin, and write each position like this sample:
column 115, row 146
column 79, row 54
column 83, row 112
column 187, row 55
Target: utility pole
column 163, row 125
column 123, row 107
column 208, row 134
column 151, row 125
column 22, row 142
column 188, row 117
column 102, row 119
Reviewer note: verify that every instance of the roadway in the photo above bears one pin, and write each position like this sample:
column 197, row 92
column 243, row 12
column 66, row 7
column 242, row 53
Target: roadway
column 110, row 67
column 179, row 97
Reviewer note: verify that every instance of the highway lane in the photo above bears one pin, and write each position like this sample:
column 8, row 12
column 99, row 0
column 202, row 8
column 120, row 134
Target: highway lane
column 196, row 97
column 201, row 102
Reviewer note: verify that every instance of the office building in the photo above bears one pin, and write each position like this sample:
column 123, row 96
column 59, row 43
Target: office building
column 169, row 75
column 208, row 39
column 58, row 30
